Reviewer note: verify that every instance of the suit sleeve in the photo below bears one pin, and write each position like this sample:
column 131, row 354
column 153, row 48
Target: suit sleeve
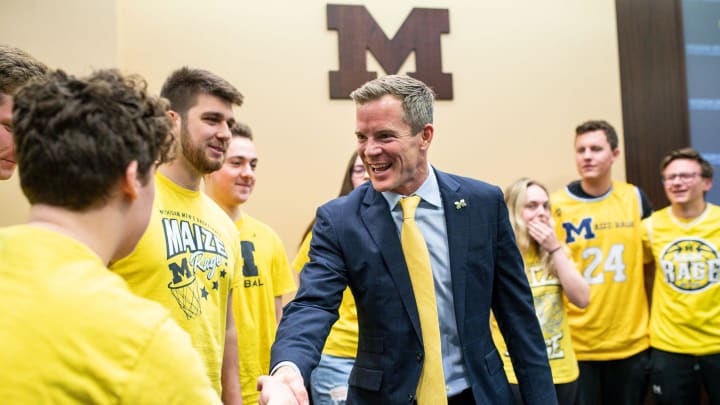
column 307, row 319
column 512, row 304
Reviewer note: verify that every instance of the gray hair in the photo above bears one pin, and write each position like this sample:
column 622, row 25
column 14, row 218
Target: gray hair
column 417, row 98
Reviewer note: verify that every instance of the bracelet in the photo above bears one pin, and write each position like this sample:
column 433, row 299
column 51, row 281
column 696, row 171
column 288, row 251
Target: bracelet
column 550, row 252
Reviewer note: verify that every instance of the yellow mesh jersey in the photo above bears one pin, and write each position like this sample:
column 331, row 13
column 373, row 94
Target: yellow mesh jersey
column 604, row 235
column 685, row 316
column 550, row 310
column 265, row 275
column 343, row 338
column 188, row 260
column 72, row 332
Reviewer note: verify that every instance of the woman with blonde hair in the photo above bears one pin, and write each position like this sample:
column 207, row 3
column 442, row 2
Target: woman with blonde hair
column 551, row 275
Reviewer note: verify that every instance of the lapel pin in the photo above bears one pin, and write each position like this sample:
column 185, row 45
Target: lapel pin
column 460, row 204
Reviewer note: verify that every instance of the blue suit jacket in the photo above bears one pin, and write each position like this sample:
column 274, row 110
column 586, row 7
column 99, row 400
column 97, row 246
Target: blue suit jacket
column 355, row 242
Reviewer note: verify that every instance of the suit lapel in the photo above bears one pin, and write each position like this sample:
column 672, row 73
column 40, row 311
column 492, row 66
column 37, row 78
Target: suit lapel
column 457, row 208
column 379, row 223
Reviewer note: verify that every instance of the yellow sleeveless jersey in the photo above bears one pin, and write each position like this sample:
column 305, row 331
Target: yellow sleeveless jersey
column 604, row 235
column 188, row 260
column 265, row 275
column 550, row 310
column 685, row 316
column 343, row 338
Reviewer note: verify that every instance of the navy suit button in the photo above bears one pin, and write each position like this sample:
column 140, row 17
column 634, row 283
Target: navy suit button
column 419, row 356
column 411, row 397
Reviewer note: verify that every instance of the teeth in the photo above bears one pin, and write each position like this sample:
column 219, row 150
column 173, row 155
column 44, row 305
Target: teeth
column 379, row 167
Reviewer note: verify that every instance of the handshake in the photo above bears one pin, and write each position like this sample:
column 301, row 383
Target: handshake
column 284, row 387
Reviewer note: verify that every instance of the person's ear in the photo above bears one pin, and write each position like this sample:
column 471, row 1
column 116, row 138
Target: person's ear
column 176, row 119
column 427, row 135
column 131, row 182
column 707, row 184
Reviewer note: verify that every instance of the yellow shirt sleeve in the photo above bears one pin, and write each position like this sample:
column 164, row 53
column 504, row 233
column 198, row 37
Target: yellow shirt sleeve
column 302, row 256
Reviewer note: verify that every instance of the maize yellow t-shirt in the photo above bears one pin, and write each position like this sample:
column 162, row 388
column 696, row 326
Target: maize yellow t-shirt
column 188, row 260
column 72, row 332
column 685, row 315
column 550, row 310
column 265, row 275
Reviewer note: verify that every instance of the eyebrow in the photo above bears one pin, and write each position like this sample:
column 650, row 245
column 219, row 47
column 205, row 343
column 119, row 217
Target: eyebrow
column 241, row 157
column 212, row 114
column 219, row 115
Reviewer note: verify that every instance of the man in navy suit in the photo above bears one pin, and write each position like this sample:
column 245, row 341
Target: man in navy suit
column 475, row 263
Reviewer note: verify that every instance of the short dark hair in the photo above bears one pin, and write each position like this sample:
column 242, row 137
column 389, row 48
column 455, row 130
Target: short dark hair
column 18, row 68
column 706, row 169
column 75, row 137
column 241, row 130
column 184, row 85
column 595, row 125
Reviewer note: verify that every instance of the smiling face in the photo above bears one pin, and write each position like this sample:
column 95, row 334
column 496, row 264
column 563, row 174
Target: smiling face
column 396, row 159
column 594, row 156
column 233, row 183
column 205, row 133
column 7, row 147
column 684, row 184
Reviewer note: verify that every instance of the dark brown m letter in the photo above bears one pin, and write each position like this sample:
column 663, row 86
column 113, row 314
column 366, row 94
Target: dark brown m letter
column 358, row 31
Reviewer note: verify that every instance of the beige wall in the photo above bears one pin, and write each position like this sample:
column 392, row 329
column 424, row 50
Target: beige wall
column 75, row 35
column 525, row 73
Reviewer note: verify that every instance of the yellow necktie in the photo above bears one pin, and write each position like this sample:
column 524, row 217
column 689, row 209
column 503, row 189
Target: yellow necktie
column 431, row 388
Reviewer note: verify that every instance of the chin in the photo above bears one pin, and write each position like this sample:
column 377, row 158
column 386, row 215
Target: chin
column 6, row 173
column 380, row 186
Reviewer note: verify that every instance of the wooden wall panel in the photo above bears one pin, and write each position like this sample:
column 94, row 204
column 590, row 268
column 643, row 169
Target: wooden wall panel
column 654, row 88
column 654, row 92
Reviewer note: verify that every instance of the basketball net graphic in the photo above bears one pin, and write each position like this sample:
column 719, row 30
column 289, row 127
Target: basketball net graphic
column 187, row 295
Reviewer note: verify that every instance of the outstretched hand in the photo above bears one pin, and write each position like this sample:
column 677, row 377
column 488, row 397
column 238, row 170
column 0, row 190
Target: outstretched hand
column 285, row 387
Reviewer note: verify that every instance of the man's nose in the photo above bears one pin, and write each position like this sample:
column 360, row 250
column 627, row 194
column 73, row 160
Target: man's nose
column 246, row 170
column 224, row 132
column 372, row 147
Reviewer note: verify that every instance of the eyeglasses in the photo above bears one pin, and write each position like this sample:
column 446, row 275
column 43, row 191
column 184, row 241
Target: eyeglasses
column 683, row 177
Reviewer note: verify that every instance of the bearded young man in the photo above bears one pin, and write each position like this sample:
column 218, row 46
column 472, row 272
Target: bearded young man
column 189, row 258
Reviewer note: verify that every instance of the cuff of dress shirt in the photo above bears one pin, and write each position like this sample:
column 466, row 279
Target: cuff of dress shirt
column 286, row 363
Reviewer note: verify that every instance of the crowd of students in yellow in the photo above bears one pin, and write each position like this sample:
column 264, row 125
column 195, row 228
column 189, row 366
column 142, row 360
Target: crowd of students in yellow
column 626, row 297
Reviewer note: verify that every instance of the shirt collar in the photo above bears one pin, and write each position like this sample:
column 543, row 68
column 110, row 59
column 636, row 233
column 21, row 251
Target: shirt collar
column 429, row 191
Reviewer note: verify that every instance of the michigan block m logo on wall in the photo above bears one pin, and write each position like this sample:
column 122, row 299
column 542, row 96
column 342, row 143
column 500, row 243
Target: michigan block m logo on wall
column 357, row 32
